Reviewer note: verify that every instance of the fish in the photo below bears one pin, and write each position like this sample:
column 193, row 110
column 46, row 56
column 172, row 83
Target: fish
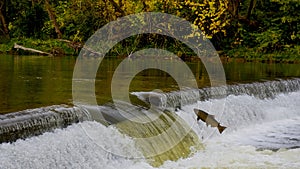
column 209, row 119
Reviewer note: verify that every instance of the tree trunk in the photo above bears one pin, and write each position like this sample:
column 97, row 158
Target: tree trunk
column 16, row 46
column 233, row 8
column 250, row 8
column 53, row 19
column 3, row 20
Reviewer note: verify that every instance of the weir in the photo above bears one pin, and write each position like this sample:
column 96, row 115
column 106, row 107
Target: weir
column 180, row 138
column 160, row 135
column 262, row 90
column 32, row 122
column 27, row 123
column 166, row 137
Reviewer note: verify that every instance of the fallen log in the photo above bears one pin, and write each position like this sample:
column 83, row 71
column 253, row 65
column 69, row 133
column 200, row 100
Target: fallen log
column 16, row 46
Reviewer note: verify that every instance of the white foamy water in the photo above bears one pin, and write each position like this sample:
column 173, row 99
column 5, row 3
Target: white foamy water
column 255, row 128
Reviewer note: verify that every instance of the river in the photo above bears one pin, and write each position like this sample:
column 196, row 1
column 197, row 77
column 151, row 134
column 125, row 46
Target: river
column 36, row 81
column 261, row 111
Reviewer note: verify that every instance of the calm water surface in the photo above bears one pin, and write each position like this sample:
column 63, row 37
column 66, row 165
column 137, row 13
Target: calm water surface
column 36, row 81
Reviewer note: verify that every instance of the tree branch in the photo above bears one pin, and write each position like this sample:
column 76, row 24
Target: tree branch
column 16, row 46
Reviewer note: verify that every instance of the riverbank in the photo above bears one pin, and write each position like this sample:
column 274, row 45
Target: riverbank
column 61, row 47
column 286, row 55
column 55, row 47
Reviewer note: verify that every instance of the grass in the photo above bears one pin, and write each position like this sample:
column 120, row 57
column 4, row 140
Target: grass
column 287, row 55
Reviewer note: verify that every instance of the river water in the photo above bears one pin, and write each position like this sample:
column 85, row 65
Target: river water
column 261, row 111
column 36, row 81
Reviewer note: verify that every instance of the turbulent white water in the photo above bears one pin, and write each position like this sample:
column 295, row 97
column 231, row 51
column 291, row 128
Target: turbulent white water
column 261, row 133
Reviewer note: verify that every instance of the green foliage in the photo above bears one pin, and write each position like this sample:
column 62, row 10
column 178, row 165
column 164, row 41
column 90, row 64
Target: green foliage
column 26, row 18
column 272, row 31
column 266, row 29
column 268, row 40
column 43, row 45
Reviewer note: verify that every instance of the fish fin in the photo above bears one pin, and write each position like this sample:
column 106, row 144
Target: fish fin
column 198, row 118
column 221, row 128
column 212, row 116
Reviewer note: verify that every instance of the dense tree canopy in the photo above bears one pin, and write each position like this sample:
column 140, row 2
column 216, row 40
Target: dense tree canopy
column 269, row 25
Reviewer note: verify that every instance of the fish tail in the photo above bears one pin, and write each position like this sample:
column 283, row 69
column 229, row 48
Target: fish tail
column 221, row 128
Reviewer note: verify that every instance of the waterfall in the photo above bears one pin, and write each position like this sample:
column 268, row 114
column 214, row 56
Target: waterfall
column 32, row 122
column 175, row 99
column 245, row 105
column 159, row 134
column 36, row 121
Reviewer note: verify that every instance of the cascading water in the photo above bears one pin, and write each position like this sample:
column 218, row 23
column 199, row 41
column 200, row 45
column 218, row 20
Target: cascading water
column 259, row 117
column 244, row 105
column 164, row 136
column 32, row 122
column 175, row 99
column 160, row 135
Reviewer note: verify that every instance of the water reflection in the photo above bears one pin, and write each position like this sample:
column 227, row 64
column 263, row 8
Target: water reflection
column 36, row 81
